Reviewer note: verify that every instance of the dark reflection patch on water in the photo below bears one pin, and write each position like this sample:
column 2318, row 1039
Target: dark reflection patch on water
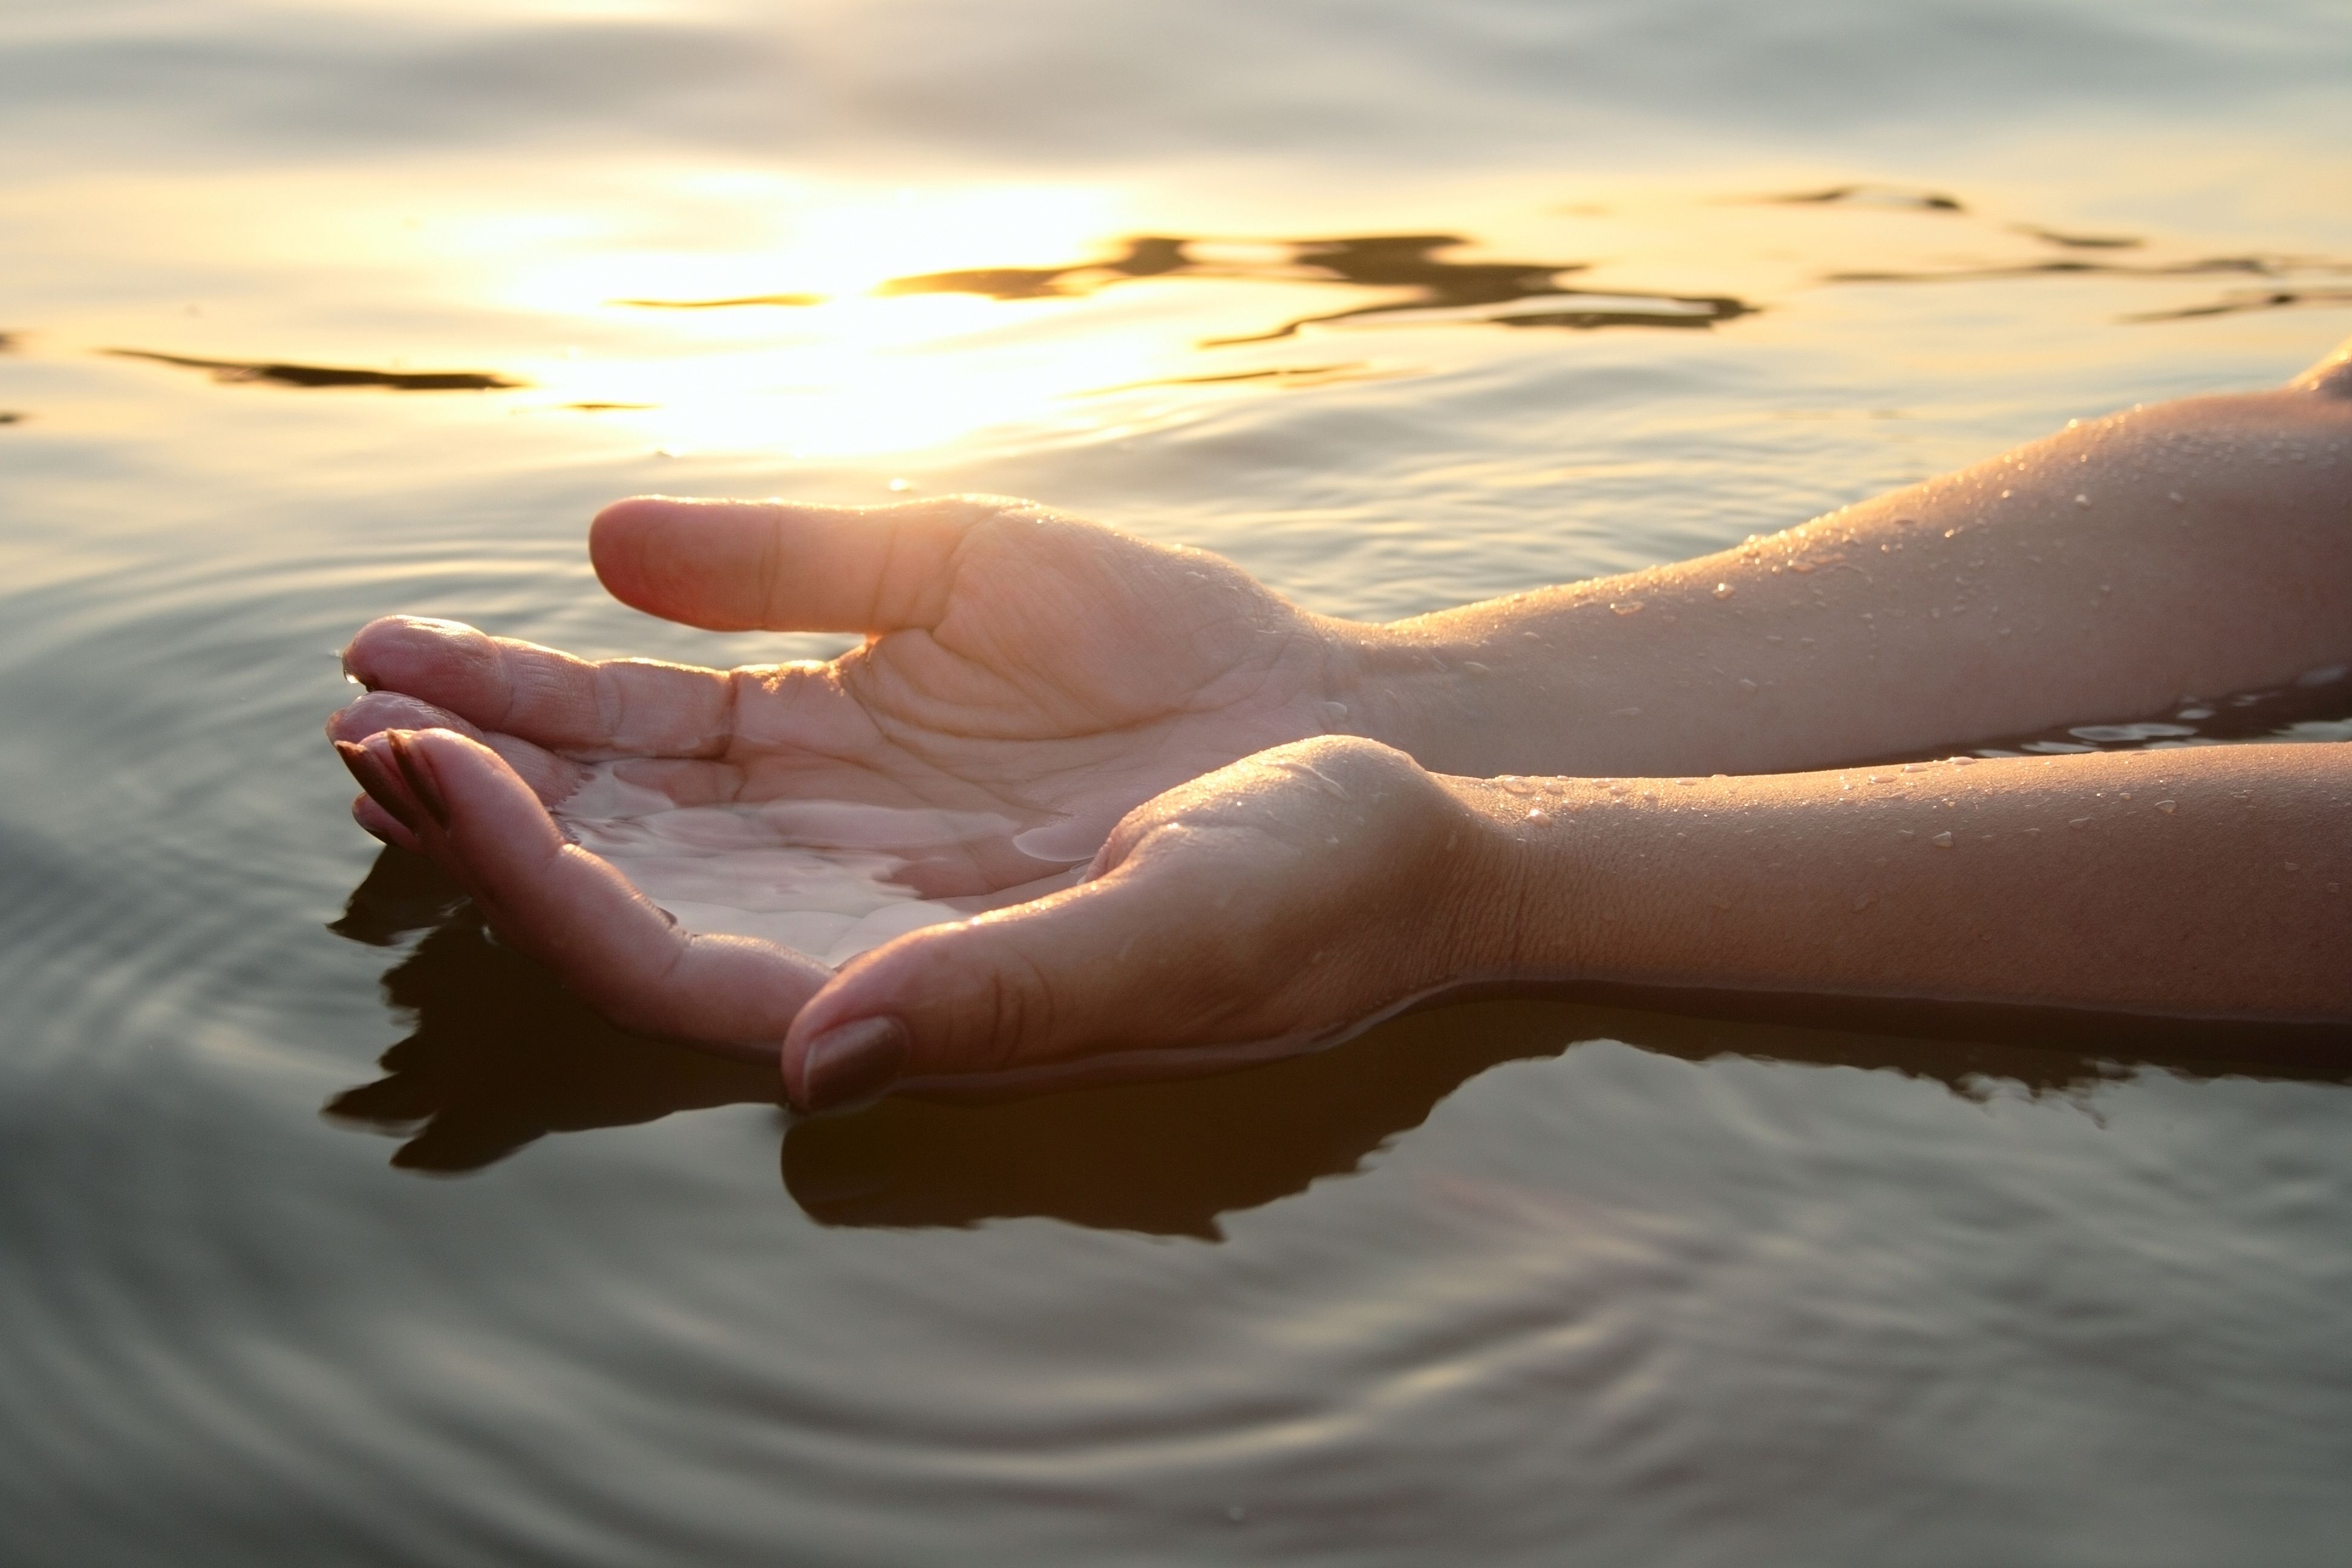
column 323, row 375
column 2201, row 267
column 1870, row 195
column 2264, row 300
column 2078, row 241
column 1388, row 261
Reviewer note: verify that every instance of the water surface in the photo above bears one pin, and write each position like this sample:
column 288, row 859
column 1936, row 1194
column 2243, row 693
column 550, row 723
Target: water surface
column 337, row 1234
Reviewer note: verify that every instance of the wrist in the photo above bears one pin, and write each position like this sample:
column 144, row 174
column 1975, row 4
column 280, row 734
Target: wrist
column 1496, row 908
column 1436, row 696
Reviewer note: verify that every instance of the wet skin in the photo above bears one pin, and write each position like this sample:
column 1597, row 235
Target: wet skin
column 1087, row 688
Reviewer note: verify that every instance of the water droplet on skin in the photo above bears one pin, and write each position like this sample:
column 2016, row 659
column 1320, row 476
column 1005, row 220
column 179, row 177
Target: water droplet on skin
column 1941, row 840
column 2082, row 501
column 1961, row 761
column 1474, row 666
column 1537, row 815
column 2173, row 496
column 1686, row 783
column 1513, row 784
column 901, row 485
column 1335, row 713
column 1905, row 833
column 2167, row 807
column 1626, row 607
column 1747, row 689
column 2080, row 822
column 1723, row 590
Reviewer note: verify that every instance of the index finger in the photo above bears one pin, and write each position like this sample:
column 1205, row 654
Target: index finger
column 633, row 707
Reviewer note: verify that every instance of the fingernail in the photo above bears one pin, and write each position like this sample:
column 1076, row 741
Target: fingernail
column 418, row 772
column 852, row 1062
column 382, row 787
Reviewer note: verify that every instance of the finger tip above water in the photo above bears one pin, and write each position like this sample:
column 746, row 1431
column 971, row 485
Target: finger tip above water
column 398, row 651
column 380, row 710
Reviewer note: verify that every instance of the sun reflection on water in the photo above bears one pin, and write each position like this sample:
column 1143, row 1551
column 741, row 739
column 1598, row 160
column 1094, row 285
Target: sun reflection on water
column 750, row 312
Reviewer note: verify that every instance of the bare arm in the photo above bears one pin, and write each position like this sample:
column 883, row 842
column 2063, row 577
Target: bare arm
column 2205, row 881
column 2197, row 547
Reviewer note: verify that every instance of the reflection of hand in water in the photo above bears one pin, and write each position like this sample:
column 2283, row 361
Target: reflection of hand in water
column 500, row 1054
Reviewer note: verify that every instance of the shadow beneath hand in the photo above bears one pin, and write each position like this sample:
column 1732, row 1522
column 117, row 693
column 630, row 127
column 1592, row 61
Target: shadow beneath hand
column 501, row 1055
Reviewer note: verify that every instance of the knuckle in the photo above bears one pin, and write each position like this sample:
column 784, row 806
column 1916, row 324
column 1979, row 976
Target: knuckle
column 1018, row 1009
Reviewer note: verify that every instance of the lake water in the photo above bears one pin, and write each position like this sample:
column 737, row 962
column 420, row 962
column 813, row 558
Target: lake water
column 334, row 1234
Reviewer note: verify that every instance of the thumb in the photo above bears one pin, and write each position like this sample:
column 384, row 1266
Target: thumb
column 1143, row 958
column 782, row 566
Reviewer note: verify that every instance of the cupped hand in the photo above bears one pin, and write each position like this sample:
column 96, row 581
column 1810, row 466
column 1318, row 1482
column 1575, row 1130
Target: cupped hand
column 1250, row 913
column 1027, row 679
column 1259, row 910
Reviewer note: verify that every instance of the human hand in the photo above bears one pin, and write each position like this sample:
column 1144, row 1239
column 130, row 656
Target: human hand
column 1026, row 671
column 1256, row 912
column 1030, row 678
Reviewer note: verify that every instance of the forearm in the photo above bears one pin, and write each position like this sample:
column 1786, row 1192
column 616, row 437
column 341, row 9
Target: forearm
column 2195, row 547
column 2202, row 882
